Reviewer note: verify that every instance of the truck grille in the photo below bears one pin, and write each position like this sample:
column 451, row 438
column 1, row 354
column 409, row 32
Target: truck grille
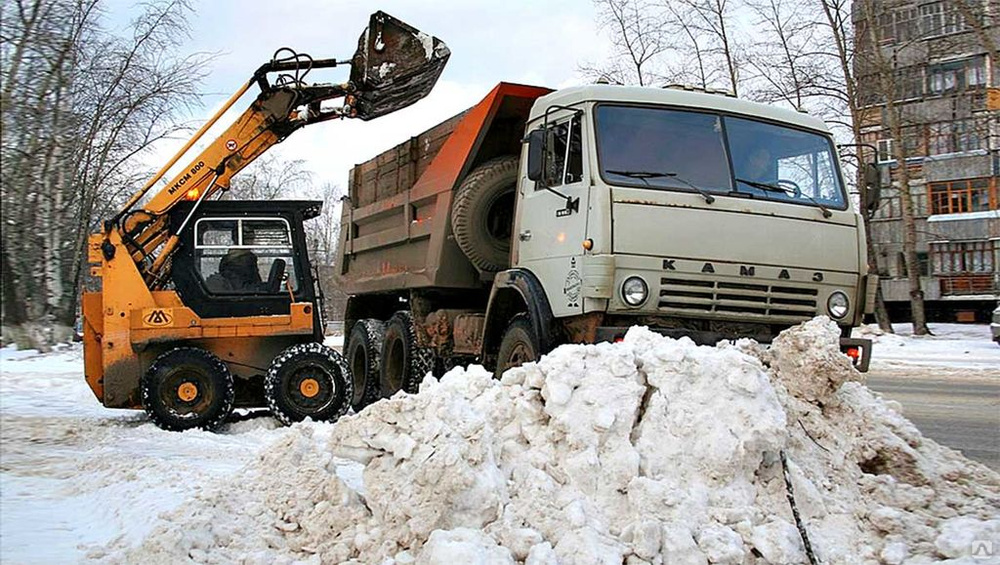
column 779, row 301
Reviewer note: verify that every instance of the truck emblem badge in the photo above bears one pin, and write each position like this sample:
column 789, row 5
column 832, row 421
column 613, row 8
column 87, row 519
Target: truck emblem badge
column 157, row 318
column 231, row 145
column 668, row 265
column 708, row 268
column 746, row 271
column 817, row 277
column 784, row 274
column 573, row 286
column 562, row 213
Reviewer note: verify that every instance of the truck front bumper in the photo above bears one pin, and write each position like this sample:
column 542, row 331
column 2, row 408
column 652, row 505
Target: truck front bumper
column 858, row 350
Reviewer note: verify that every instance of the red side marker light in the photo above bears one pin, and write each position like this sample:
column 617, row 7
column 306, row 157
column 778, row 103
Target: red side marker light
column 854, row 353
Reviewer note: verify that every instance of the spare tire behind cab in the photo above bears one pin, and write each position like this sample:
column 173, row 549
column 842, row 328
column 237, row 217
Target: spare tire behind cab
column 482, row 215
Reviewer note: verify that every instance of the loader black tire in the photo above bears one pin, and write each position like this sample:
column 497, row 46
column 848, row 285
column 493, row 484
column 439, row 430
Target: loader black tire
column 482, row 215
column 186, row 388
column 308, row 380
column 404, row 364
column 363, row 351
column 518, row 346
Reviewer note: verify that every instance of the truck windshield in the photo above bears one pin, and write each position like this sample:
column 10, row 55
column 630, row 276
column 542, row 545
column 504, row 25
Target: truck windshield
column 687, row 151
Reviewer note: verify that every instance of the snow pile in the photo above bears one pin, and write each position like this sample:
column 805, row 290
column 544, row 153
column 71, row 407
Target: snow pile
column 653, row 450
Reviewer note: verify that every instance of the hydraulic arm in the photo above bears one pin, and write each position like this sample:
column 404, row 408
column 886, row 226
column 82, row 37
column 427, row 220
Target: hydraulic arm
column 394, row 66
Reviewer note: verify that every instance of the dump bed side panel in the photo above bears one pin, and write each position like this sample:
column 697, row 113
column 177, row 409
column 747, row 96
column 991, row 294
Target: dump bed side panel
column 396, row 227
column 397, row 169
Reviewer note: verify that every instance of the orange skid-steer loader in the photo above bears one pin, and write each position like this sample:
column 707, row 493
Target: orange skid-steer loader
column 198, row 306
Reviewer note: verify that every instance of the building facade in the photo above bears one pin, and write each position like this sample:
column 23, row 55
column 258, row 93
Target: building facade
column 945, row 83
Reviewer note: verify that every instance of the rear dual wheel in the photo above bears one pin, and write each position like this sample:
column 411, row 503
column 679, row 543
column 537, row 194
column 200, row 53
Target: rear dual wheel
column 364, row 354
column 404, row 363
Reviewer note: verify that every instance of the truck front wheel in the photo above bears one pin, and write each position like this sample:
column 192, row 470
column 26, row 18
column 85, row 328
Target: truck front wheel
column 518, row 346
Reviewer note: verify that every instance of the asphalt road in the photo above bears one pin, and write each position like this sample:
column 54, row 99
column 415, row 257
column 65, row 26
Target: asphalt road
column 959, row 408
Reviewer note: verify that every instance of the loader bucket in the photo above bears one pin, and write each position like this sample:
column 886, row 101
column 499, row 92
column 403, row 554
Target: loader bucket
column 395, row 65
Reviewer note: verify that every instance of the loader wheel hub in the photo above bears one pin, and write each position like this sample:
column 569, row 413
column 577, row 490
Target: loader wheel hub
column 187, row 391
column 309, row 387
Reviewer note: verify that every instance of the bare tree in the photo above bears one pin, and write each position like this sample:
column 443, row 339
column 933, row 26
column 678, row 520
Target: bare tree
column 639, row 37
column 975, row 18
column 882, row 68
column 658, row 42
column 843, row 91
column 323, row 232
column 714, row 19
column 786, row 58
column 270, row 177
column 80, row 106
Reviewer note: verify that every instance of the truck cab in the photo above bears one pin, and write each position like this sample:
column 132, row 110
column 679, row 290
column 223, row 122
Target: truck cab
column 696, row 214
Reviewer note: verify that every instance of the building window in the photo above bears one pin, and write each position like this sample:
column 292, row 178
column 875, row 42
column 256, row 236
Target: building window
column 931, row 19
column 953, row 22
column 956, row 197
column 975, row 72
column 885, row 154
column 962, row 257
column 956, row 76
column 942, row 78
column 909, row 83
column 955, row 136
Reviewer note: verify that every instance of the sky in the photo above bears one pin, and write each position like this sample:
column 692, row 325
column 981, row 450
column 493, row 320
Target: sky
column 541, row 43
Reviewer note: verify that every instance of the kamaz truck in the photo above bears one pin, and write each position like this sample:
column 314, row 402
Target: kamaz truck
column 538, row 218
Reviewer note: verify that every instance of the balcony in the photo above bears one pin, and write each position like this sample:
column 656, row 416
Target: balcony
column 970, row 284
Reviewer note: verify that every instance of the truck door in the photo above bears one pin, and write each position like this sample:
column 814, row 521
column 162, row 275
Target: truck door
column 549, row 234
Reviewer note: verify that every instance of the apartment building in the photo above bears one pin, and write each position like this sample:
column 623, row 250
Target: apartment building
column 942, row 55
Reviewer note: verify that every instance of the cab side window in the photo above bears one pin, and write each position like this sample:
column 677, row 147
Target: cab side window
column 245, row 255
column 564, row 162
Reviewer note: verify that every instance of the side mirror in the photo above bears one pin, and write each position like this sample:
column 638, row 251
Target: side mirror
column 536, row 154
column 873, row 186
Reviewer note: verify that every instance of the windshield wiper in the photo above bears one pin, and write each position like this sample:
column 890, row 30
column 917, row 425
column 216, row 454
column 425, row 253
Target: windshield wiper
column 787, row 191
column 643, row 175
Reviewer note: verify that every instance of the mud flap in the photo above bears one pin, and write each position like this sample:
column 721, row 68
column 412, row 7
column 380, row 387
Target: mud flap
column 858, row 350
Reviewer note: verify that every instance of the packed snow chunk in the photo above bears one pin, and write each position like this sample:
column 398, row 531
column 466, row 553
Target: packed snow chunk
column 808, row 361
column 653, row 450
column 709, row 416
column 463, row 545
column 779, row 542
column 431, row 458
column 961, row 536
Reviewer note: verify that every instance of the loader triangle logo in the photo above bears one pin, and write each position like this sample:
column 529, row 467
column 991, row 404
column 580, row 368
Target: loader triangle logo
column 157, row 318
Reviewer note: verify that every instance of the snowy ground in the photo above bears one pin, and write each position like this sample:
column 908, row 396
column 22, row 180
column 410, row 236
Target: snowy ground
column 953, row 346
column 80, row 482
column 75, row 475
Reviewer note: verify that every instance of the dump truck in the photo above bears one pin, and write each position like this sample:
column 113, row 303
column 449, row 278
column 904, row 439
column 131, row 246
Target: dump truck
column 196, row 306
column 540, row 217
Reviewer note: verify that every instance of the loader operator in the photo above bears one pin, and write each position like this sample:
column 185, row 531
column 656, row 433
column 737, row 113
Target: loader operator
column 238, row 272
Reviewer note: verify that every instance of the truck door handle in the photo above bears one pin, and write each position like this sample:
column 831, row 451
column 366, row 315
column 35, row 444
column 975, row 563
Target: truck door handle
column 525, row 235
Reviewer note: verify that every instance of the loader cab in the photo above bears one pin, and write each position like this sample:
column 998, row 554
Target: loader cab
column 244, row 258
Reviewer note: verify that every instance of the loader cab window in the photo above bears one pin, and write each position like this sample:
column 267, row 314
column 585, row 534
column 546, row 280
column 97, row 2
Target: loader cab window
column 245, row 255
column 564, row 162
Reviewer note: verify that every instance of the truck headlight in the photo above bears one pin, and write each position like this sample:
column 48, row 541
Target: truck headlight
column 634, row 291
column 838, row 305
